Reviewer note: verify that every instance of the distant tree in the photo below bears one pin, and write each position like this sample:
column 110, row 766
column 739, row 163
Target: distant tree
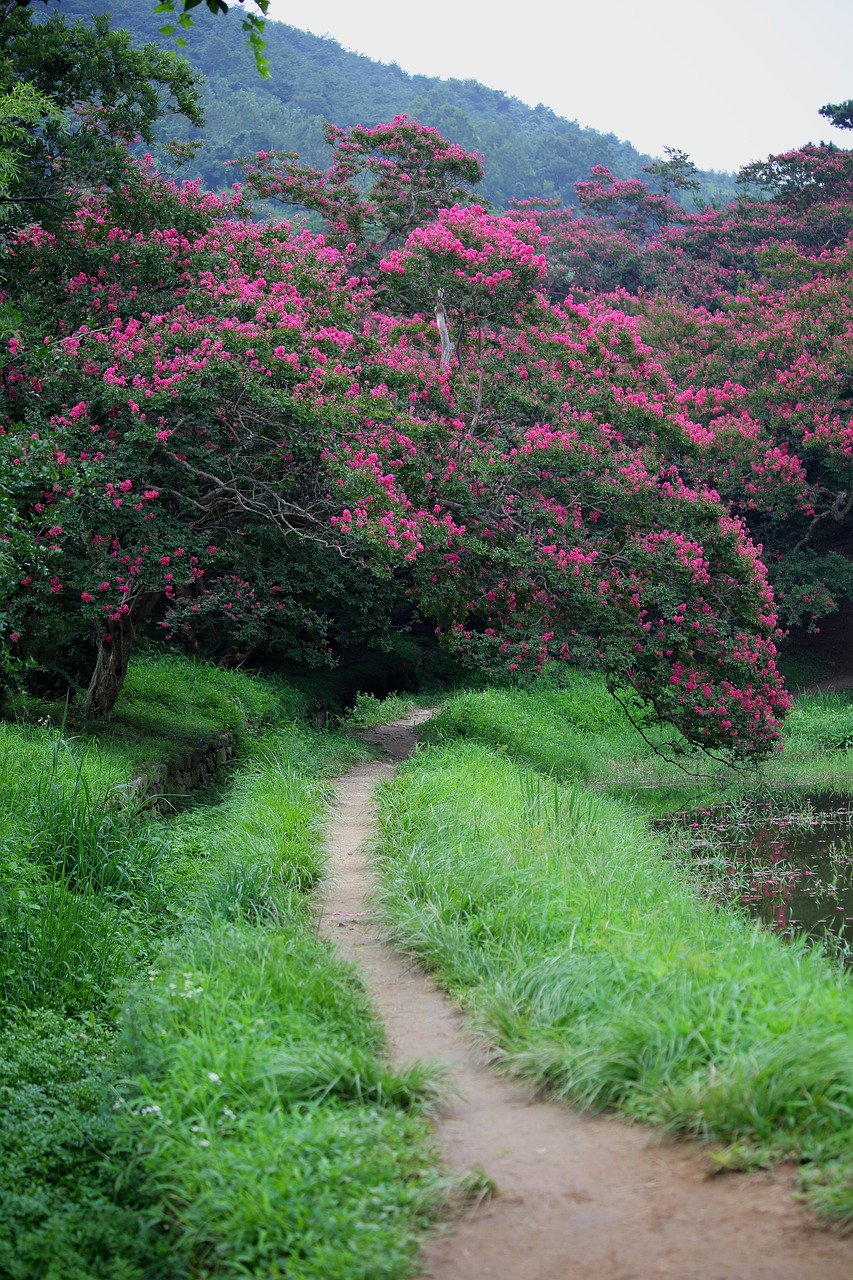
column 381, row 184
column 676, row 173
column 839, row 113
column 626, row 203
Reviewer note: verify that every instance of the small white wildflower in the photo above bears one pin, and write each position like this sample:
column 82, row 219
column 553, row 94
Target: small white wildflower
column 213, row 1077
column 203, row 1142
column 153, row 1110
column 195, row 1128
column 230, row 1114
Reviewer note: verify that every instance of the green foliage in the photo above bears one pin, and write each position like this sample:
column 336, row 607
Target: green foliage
column 22, row 109
column 821, row 724
column 213, row 698
column 595, row 971
column 58, row 948
column 89, row 848
column 90, row 93
column 251, row 23
column 246, row 1121
column 68, row 1210
column 839, row 113
column 368, row 712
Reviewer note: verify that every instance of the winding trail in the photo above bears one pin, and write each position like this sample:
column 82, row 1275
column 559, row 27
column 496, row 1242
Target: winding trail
column 578, row 1197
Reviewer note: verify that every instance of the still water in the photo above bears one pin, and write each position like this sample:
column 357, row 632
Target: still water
column 787, row 860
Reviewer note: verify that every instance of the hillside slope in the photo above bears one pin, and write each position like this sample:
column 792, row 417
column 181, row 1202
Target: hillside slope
column 529, row 151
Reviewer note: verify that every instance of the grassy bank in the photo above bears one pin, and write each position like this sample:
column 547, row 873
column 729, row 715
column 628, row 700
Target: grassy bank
column 577, row 732
column 594, row 969
column 190, row 1084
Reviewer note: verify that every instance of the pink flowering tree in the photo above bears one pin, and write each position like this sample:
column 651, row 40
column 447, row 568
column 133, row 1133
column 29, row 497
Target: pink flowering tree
column 174, row 430
column 215, row 412
column 767, row 373
column 541, row 516
column 747, row 309
column 382, row 181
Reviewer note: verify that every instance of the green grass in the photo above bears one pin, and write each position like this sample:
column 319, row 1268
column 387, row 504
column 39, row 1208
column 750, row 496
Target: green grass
column 369, row 712
column 278, row 1139
column 596, row 971
column 263, row 1112
column 239, row 1117
column 168, row 703
column 577, row 732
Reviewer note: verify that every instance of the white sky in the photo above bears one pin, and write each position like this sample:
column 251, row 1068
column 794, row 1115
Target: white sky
column 728, row 81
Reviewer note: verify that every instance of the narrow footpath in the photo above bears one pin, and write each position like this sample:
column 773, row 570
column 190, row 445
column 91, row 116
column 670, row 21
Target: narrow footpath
column 578, row 1197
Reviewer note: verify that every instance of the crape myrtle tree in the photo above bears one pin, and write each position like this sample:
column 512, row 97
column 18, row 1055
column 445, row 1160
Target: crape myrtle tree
column 748, row 309
column 566, row 533
column 175, row 433
column 768, row 374
column 212, row 393
column 381, row 184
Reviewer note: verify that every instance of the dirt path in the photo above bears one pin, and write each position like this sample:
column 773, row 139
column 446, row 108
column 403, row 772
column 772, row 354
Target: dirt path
column 579, row 1198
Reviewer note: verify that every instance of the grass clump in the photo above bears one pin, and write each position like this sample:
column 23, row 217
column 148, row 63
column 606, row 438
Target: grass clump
column 165, row 691
column 594, row 969
column 263, row 1112
column 258, row 1098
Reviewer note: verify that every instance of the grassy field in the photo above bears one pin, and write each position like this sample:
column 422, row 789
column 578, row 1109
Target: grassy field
column 190, row 1084
column 585, row 955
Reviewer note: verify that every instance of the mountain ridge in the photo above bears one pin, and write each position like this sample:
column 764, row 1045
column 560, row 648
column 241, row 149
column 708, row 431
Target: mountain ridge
column 529, row 151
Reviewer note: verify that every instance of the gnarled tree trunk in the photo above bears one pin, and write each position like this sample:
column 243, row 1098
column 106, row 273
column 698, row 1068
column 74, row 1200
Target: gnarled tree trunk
column 114, row 649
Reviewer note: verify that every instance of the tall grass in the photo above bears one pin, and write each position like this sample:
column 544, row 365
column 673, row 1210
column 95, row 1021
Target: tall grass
column 263, row 1113
column 72, row 858
column 369, row 712
column 169, row 692
column 243, row 1120
column 571, row 731
column 258, row 1098
column 595, row 970
column 575, row 731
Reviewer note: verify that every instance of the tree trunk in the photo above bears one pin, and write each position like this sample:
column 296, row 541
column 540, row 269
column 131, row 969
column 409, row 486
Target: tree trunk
column 114, row 649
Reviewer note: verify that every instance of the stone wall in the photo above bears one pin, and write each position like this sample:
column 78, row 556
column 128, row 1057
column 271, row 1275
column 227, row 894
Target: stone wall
column 195, row 767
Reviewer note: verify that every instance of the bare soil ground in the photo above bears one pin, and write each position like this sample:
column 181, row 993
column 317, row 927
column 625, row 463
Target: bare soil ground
column 578, row 1197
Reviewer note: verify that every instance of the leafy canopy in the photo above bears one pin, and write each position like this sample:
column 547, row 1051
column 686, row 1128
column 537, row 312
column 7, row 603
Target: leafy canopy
column 251, row 22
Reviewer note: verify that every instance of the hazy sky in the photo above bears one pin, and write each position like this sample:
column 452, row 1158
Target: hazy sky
column 728, row 81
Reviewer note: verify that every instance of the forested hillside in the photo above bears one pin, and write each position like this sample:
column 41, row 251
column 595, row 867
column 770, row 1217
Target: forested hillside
column 529, row 151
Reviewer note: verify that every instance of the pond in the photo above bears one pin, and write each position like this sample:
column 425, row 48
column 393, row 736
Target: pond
column 787, row 859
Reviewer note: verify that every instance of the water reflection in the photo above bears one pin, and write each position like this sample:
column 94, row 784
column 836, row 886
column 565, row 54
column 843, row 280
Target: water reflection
column 788, row 861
